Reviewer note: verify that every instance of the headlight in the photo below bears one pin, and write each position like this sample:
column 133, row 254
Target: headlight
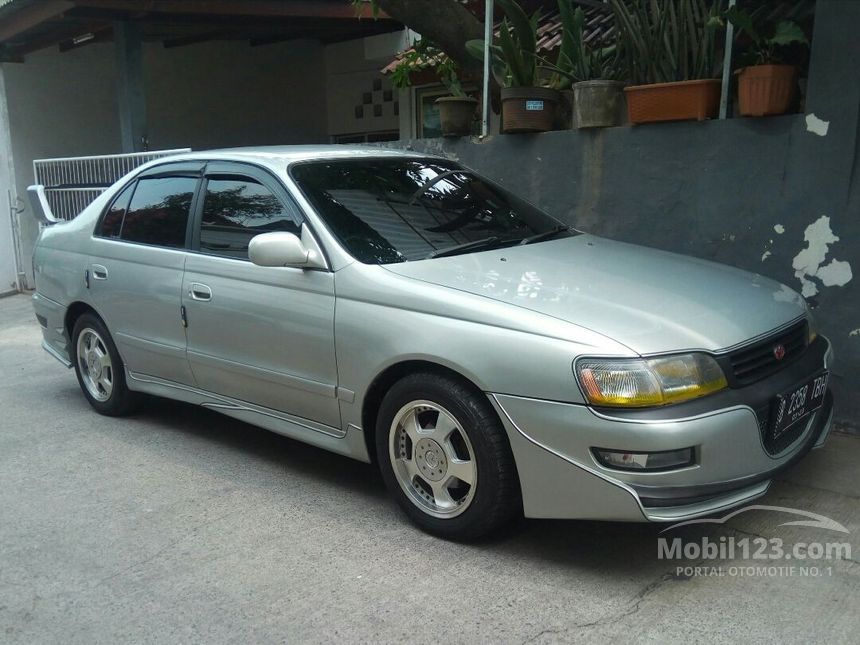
column 640, row 382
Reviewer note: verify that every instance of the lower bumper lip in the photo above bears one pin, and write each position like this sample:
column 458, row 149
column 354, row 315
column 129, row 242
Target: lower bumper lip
column 660, row 496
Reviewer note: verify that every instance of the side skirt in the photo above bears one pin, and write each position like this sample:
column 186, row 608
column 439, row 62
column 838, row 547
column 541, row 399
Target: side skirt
column 349, row 443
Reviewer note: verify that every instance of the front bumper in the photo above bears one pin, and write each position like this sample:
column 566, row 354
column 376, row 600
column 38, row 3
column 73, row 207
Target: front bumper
column 552, row 444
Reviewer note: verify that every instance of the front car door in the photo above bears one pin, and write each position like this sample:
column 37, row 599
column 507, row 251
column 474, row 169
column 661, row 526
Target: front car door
column 263, row 335
column 135, row 272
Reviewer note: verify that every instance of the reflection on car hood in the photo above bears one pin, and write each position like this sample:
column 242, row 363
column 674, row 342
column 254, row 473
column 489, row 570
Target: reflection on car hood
column 649, row 300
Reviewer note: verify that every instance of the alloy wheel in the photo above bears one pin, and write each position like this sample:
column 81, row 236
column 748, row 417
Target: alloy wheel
column 433, row 459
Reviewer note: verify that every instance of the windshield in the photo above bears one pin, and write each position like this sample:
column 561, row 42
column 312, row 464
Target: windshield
column 402, row 209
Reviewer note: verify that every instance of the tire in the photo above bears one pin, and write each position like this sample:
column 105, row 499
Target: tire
column 99, row 368
column 432, row 428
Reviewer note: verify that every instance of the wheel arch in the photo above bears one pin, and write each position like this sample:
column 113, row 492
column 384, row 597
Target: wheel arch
column 74, row 311
column 383, row 382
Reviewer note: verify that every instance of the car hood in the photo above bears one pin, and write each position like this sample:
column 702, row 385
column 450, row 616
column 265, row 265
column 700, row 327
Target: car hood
column 649, row 300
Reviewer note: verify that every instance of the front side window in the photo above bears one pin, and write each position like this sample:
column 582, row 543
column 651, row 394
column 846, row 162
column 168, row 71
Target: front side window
column 236, row 209
column 397, row 210
column 158, row 213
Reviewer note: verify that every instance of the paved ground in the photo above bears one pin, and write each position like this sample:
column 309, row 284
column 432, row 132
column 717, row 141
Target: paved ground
column 180, row 525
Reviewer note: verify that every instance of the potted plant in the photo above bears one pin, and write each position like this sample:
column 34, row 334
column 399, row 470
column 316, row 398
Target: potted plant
column 457, row 111
column 598, row 98
column 765, row 84
column 669, row 51
column 529, row 104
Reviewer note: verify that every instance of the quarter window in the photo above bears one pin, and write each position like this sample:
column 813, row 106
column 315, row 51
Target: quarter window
column 158, row 213
column 112, row 221
column 236, row 209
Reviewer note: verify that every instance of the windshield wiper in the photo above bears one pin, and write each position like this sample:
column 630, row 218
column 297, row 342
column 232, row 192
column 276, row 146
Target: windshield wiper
column 462, row 248
column 540, row 237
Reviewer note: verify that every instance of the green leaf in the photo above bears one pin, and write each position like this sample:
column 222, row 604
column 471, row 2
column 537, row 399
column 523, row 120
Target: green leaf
column 743, row 22
column 788, row 32
column 476, row 48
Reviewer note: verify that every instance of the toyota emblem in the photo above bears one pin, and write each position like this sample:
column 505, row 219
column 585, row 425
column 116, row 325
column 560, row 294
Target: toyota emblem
column 779, row 352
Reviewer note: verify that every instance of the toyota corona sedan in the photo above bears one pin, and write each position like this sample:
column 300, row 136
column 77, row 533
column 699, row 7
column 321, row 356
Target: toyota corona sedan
column 400, row 309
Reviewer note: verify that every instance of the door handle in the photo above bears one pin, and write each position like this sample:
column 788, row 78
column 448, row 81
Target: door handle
column 200, row 292
column 100, row 272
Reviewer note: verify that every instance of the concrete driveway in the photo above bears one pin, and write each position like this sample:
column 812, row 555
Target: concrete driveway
column 180, row 525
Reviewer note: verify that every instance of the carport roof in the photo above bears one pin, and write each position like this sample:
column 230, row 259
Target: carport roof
column 30, row 25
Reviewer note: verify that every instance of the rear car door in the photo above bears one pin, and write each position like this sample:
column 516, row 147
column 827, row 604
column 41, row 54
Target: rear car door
column 135, row 272
column 264, row 335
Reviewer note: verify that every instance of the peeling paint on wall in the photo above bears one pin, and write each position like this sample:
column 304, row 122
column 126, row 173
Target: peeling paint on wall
column 808, row 263
column 816, row 125
column 765, row 256
column 779, row 228
column 854, row 332
column 835, row 274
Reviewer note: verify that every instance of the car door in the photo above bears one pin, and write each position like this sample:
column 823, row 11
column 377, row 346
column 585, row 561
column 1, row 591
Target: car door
column 264, row 335
column 135, row 272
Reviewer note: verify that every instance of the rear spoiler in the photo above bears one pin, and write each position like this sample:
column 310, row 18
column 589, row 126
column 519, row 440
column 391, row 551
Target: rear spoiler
column 41, row 207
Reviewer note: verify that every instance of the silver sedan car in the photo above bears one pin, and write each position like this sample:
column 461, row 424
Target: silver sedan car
column 400, row 309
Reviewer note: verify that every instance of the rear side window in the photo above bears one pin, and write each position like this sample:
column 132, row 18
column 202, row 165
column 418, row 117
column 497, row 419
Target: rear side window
column 158, row 213
column 236, row 209
column 112, row 221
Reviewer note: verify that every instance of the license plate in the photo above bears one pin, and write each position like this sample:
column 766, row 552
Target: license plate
column 793, row 405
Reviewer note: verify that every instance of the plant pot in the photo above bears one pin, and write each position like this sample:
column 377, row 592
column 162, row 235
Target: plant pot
column 766, row 89
column 598, row 104
column 680, row 101
column 456, row 114
column 528, row 109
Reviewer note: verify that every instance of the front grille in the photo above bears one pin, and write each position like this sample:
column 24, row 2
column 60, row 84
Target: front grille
column 754, row 362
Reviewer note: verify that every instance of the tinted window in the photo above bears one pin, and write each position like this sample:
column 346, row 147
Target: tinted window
column 112, row 220
column 237, row 209
column 394, row 210
column 159, row 209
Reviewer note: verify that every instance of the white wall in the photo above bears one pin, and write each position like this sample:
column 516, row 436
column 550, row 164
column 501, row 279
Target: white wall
column 351, row 68
column 8, row 266
column 222, row 94
column 58, row 105
column 202, row 96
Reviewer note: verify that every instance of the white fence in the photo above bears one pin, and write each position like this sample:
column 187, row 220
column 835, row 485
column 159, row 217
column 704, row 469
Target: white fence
column 71, row 183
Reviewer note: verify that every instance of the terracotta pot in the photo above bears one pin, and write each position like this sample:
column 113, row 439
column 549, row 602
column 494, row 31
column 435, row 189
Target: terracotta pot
column 680, row 101
column 598, row 104
column 766, row 89
column 528, row 109
column 456, row 114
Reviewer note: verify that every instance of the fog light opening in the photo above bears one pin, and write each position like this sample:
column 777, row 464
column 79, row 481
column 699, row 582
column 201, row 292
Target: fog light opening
column 644, row 461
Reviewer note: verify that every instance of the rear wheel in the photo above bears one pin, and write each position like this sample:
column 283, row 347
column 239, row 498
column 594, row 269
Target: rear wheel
column 99, row 368
column 445, row 457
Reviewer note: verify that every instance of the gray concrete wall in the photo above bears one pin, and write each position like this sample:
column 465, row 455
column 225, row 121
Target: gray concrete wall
column 768, row 195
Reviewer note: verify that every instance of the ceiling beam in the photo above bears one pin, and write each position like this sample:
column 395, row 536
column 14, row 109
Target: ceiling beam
column 193, row 39
column 97, row 34
column 55, row 37
column 32, row 15
column 256, row 8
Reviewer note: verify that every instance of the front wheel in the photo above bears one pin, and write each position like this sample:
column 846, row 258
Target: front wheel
column 99, row 368
column 445, row 457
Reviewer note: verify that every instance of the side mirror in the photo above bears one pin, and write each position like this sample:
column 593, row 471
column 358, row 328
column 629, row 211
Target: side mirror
column 279, row 249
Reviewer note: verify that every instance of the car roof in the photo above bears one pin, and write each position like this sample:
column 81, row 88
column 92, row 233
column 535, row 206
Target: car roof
column 291, row 154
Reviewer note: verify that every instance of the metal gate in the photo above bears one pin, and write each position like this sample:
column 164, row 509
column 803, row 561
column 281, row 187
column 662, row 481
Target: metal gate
column 72, row 183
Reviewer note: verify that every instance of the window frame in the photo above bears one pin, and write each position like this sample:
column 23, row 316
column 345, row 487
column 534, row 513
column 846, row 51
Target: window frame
column 190, row 169
column 254, row 173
